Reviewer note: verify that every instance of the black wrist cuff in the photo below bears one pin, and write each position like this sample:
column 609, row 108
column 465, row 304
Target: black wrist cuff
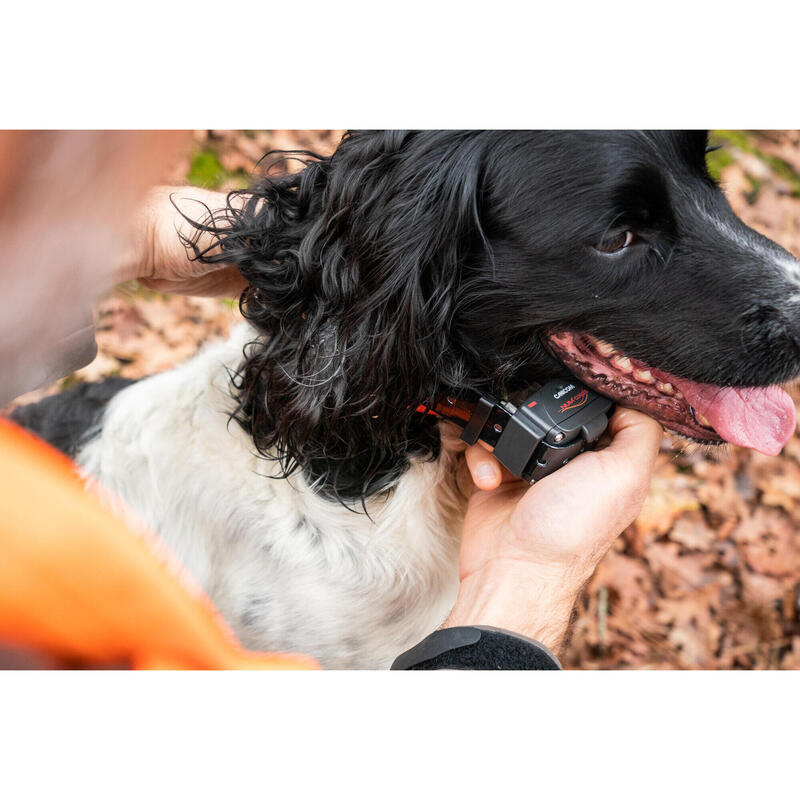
column 476, row 647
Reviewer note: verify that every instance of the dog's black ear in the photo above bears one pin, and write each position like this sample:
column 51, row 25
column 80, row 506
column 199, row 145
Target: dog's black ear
column 694, row 145
column 401, row 218
column 354, row 266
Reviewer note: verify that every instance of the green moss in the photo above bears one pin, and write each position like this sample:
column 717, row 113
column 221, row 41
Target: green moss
column 717, row 160
column 744, row 142
column 739, row 139
column 206, row 171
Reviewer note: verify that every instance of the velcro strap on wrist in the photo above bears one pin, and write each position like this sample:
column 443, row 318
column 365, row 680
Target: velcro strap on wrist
column 477, row 647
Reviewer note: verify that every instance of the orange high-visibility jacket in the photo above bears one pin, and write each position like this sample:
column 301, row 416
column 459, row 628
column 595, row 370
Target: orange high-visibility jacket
column 78, row 585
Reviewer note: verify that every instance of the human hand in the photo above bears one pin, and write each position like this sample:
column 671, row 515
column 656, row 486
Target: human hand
column 157, row 257
column 526, row 551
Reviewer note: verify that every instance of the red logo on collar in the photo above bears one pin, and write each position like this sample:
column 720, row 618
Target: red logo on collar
column 575, row 401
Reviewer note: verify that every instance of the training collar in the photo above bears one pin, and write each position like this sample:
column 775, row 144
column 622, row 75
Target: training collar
column 557, row 422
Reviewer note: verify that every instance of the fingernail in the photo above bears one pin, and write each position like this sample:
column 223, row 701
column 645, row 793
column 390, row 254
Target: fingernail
column 485, row 473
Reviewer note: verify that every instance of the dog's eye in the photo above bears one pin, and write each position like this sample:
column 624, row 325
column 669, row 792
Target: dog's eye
column 614, row 243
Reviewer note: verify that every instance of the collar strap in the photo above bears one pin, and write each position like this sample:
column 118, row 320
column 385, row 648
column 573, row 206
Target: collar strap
column 480, row 415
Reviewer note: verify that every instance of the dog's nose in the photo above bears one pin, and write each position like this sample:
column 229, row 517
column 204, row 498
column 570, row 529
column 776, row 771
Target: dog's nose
column 773, row 329
column 784, row 345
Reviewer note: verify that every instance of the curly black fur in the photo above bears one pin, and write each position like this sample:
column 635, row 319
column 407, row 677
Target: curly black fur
column 410, row 261
column 357, row 267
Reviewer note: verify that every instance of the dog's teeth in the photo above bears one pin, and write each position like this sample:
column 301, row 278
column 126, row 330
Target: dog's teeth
column 604, row 348
column 665, row 388
column 702, row 420
column 622, row 363
column 643, row 376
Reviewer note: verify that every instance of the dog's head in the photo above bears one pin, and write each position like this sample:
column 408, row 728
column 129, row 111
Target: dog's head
column 412, row 262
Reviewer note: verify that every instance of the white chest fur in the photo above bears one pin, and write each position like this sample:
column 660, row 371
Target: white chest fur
column 288, row 570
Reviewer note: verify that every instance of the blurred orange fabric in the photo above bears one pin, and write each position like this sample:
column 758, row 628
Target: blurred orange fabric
column 78, row 585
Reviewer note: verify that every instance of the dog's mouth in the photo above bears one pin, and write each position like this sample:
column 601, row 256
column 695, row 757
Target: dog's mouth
column 762, row 418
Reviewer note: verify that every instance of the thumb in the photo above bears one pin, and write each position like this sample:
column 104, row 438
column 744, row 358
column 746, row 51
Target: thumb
column 635, row 439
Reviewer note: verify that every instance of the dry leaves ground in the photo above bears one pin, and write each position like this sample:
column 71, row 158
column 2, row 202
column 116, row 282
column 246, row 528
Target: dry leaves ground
column 709, row 575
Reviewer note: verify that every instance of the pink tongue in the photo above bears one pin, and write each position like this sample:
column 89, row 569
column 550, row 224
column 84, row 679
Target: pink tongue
column 761, row 418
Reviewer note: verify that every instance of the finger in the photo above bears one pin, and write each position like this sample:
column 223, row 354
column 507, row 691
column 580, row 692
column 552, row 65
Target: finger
column 621, row 472
column 636, row 438
column 484, row 468
column 225, row 282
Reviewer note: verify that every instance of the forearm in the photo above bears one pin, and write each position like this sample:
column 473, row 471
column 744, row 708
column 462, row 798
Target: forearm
column 507, row 616
column 520, row 600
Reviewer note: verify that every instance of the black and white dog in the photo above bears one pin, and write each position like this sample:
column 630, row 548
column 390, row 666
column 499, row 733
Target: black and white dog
column 407, row 264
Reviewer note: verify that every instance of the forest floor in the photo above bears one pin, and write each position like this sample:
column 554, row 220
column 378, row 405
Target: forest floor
column 709, row 575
